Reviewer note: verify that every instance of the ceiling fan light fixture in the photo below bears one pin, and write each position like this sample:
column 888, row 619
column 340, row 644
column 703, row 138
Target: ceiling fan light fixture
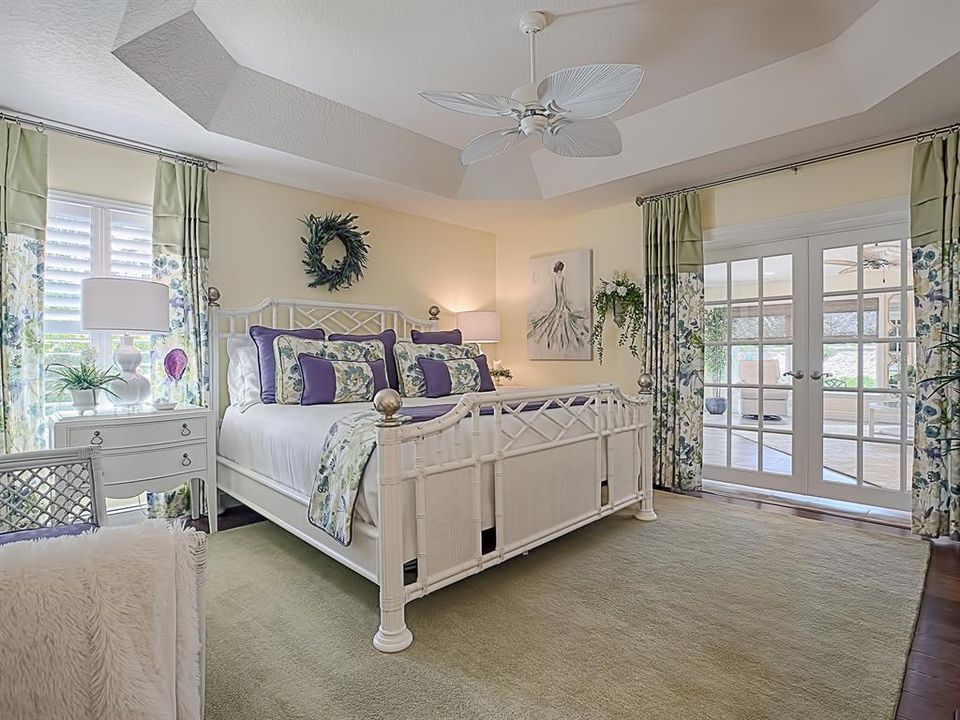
column 568, row 109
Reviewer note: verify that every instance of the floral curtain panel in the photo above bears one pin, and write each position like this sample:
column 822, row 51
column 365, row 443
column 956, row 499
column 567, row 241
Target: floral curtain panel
column 181, row 251
column 23, row 221
column 935, row 234
column 673, row 346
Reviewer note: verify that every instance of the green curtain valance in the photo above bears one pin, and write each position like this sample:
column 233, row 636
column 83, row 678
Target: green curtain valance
column 673, row 234
column 935, row 191
column 180, row 212
column 23, row 181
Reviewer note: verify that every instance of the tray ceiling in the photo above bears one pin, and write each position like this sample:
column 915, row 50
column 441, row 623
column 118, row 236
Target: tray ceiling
column 323, row 95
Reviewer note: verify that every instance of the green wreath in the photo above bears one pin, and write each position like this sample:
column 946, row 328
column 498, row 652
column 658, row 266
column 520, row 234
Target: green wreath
column 346, row 270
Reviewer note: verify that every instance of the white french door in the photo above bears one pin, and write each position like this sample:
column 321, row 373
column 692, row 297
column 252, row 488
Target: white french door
column 809, row 365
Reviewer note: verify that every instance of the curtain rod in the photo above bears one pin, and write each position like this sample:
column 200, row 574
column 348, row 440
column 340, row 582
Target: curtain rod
column 801, row 163
column 43, row 124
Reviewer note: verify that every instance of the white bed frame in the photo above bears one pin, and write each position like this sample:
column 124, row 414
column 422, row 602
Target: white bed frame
column 552, row 472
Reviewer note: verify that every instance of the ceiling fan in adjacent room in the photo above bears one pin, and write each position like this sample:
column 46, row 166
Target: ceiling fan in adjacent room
column 567, row 109
column 875, row 257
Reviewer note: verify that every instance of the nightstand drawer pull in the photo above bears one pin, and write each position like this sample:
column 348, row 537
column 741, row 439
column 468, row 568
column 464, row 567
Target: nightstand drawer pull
column 185, row 431
column 186, row 462
column 96, row 439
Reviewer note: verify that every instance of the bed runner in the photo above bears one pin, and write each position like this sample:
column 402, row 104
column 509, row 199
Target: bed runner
column 348, row 448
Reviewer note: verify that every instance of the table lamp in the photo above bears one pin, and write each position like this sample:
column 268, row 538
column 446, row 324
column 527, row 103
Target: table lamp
column 479, row 326
column 129, row 306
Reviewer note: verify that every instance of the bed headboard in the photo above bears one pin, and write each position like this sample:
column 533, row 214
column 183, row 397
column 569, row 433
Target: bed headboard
column 334, row 317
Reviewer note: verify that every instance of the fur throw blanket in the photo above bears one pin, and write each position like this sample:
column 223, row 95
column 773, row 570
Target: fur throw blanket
column 107, row 625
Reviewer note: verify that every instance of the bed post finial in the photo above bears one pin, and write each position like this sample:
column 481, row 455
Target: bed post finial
column 213, row 296
column 388, row 402
column 434, row 311
column 645, row 383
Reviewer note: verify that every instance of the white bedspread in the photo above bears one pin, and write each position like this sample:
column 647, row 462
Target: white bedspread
column 284, row 443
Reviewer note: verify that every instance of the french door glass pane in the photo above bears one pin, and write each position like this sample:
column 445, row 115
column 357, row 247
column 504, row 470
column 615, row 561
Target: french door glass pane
column 778, row 408
column 840, row 461
column 840, row 413
column 715, row 323
column 778, row 319
column 745, row 321
column 744, row 279
column 882, row 415
column 881, row 265
column 745, row 368
column 744, row 449
column 840, row 317
column 778, row 276
column 777, row 453
column 715, row 447
column 881, row 465
column 777, row 359
column 715, row 282
column 840, row 361
column 840, row 268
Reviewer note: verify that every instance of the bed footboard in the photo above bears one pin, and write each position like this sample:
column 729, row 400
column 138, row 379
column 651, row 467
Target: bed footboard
column 553, row 460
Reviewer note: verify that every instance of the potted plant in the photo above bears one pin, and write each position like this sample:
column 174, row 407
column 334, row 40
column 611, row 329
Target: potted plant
column 622, row 298
column 84, row 381
column 500, row 374
column 715, row 356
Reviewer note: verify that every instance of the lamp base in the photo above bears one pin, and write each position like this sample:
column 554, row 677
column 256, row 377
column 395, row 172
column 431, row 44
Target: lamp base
column 132, row 388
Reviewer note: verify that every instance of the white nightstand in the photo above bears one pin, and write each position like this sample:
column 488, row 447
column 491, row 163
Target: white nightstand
column 155, row 450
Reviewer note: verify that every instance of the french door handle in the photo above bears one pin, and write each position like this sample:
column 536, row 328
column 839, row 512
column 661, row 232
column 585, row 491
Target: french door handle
column 795, row 374
column 816, row 375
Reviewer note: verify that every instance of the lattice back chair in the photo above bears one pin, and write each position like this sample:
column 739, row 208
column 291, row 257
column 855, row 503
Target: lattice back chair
column 50, row 493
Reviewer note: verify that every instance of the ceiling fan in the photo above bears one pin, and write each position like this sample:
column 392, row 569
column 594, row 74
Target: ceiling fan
column 567, row 109
column 874, row 258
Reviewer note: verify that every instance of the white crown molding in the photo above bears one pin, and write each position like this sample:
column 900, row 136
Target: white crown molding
column 875, row 213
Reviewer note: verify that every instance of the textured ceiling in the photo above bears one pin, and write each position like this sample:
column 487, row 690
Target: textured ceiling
column 323, row 95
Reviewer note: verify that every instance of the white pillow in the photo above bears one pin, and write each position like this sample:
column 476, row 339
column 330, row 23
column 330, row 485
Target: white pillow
column 243, row 372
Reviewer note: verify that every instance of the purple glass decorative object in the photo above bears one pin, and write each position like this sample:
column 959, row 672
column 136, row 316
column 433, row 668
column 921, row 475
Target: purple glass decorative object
column 175, row 364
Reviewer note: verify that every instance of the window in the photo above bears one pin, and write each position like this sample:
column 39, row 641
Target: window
column 89, row 237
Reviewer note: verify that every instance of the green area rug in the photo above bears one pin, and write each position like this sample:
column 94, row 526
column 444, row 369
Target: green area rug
column 712, row 612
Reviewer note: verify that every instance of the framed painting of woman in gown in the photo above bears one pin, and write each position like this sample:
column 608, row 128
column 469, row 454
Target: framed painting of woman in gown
column 559, row 313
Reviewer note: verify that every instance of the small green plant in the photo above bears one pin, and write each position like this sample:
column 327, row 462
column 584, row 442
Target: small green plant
column 624, row 299
column 501, row 373
column 85, row 376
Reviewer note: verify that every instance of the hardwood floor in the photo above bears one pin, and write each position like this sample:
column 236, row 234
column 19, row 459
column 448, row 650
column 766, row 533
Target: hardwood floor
column 931, row 684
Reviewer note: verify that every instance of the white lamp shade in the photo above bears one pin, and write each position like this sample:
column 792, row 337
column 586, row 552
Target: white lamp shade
column 124, row 304
column 481, row 326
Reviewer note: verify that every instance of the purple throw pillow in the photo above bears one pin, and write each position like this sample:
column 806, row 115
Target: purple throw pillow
column 437, row 337
column 389, row 339
column 336, row 381
column 264, row 337
column 454, row 377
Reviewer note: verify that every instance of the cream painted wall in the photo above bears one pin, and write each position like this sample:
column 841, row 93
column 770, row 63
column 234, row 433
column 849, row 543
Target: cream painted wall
column 255, row 236
column 615, row 235
column 414, row 262
column 874, row 175
column 90, row 168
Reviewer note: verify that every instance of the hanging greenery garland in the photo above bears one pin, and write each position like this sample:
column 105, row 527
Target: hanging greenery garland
column 322, row 231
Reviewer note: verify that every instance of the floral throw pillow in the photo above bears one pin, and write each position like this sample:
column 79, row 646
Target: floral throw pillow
column 287, row 349
column 340, row 381
column 455, row 377
column 412, row 382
